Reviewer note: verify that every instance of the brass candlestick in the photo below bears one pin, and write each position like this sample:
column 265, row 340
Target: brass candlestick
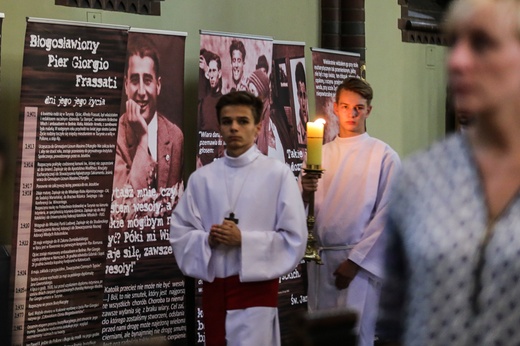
column 311, row 251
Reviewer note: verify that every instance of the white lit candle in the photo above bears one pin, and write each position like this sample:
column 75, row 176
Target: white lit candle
column 314, row 143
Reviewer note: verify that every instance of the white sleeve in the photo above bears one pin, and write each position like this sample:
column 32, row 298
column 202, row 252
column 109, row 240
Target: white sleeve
column 188, row 238
column 368, row 253
column 269, row 255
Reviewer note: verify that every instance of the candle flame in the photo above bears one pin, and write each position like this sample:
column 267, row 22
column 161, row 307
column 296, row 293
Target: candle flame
column 320, row 121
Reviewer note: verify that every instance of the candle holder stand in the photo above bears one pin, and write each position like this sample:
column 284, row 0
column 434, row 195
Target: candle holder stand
column 311, row 251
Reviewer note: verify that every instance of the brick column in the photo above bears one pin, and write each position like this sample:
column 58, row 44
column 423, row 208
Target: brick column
column 343, row 26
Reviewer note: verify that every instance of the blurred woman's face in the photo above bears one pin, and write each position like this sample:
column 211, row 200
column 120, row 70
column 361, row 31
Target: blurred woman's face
column 484, row 60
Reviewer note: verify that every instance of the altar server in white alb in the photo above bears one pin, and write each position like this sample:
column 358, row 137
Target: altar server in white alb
column 239, row 226
column 351, row 201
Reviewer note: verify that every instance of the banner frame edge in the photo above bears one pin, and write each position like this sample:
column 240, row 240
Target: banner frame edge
column 76, row 23
column 292, row 43
column 238, row 35
column 323, row 50
column 157, row 31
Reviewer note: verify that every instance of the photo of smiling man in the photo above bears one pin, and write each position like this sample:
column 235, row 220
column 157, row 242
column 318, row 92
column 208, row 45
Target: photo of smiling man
column 148, row 180
column 149, row 146
column 237, row 53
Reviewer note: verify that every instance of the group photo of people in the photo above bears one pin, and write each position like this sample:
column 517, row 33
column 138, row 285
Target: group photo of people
column 229, row 63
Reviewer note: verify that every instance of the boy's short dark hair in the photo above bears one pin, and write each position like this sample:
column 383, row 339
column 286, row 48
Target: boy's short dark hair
column 241, row 98
column 357, row 85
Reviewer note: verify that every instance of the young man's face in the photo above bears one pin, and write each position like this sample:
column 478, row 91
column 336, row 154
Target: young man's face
column 237, row 65
column 142, row 85
column 238, row 129
column 302, row 100
column 352, row 110
column 214, row 74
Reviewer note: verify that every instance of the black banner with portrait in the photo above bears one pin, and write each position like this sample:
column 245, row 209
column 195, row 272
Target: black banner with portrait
column 91, row 257
column 289, row 114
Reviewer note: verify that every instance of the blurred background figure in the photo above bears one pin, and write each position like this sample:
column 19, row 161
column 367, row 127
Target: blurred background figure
column 453, row 275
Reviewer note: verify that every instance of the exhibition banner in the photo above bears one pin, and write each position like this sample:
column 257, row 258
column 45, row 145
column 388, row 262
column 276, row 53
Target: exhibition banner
column 91, row 259
column 289, row 115
column 289, row 102
column 275, row 72
column 144, row 289
column 229, row 62
column 330, row 69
